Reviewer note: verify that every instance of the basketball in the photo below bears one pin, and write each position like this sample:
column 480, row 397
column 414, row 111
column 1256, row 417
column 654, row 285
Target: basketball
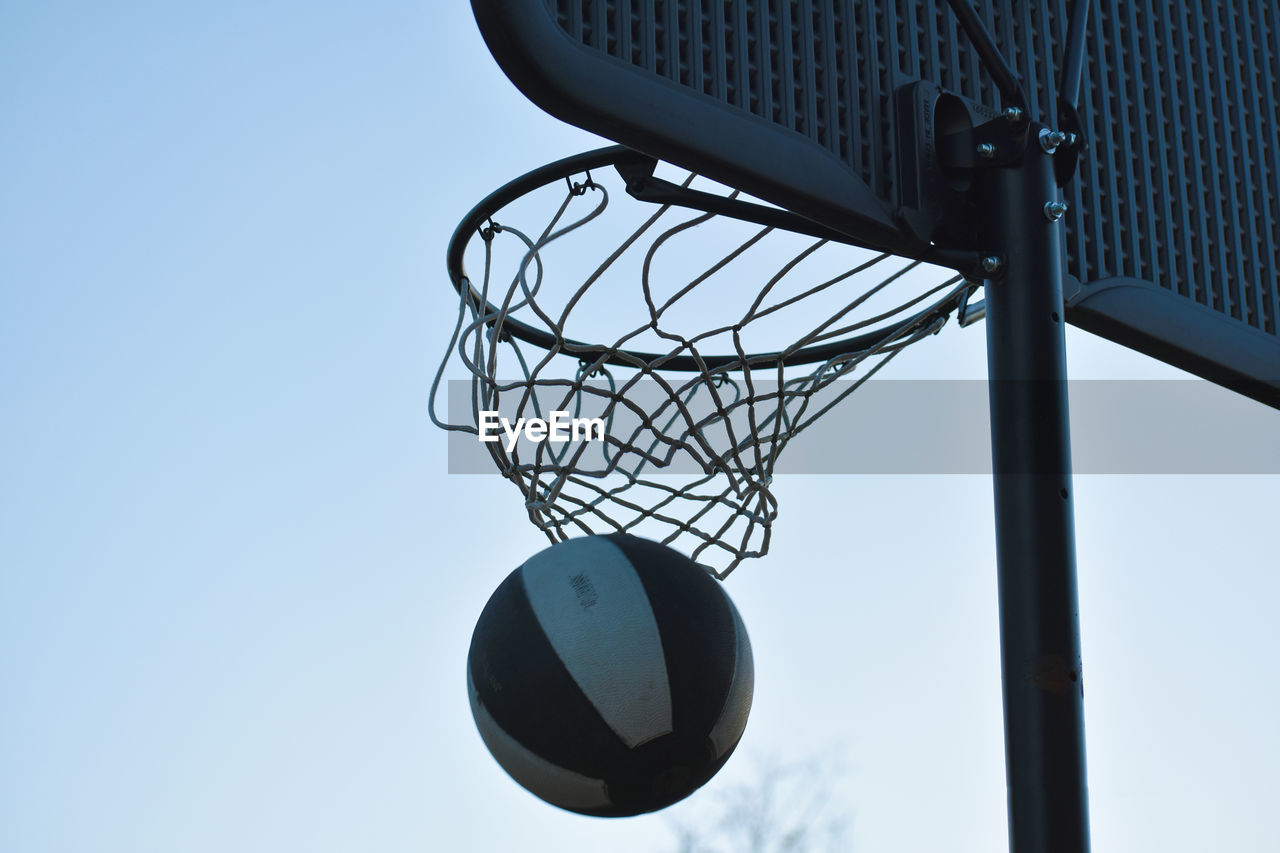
column 610, row 675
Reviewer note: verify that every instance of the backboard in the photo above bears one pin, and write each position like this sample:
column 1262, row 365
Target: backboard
column 1173, row 232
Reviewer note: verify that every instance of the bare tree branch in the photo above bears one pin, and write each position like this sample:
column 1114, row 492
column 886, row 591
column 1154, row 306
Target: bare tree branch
column 788, row 808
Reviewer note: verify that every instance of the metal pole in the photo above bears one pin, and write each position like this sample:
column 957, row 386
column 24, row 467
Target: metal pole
column 1035, row 541
column 1073, row 54
column 993, row 60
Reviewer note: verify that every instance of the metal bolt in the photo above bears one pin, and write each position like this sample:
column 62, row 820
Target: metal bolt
column 1054, row 210
column 1013, row 115
column 986, row 151
column 991, row 263
column 1072, row 139
column 1051, row 139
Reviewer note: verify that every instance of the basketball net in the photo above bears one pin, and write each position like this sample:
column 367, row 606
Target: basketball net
column 727, row 340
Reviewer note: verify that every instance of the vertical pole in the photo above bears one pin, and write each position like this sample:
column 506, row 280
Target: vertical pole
column 1035, row 540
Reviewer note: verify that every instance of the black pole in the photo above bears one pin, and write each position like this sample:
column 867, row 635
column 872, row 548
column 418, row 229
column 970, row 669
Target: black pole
column 1035, row 541
column 1073, row 54
column 992, row 59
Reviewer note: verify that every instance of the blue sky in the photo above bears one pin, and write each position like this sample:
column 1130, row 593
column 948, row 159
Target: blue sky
column 237, row 585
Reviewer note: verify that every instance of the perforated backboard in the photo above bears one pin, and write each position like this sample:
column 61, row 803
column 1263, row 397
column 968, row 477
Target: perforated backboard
column 1173, row 233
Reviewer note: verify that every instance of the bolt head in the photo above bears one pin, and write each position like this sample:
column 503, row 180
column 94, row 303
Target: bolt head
column 1055, row 210
column 1014, row 115
column 986, row 151
column 1051, row 139
column 991, row 263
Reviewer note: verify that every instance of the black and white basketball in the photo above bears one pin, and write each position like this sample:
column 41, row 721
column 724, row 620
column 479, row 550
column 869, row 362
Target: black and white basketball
column 610, row 675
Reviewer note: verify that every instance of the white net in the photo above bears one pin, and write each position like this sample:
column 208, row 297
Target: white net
column 718, row 341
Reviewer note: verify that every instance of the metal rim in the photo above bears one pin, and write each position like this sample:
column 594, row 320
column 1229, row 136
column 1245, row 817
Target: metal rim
column 559, row 170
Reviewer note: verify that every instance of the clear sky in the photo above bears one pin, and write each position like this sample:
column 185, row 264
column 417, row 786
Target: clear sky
column 237, row 585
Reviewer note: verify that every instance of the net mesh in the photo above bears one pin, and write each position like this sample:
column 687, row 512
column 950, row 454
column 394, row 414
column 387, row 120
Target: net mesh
column 726, row 340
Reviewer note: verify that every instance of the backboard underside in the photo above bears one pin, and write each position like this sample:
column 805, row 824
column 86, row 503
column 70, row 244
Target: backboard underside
column 1173, row 230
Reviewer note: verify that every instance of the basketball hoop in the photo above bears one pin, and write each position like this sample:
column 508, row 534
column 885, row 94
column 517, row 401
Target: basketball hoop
column 723, row 327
